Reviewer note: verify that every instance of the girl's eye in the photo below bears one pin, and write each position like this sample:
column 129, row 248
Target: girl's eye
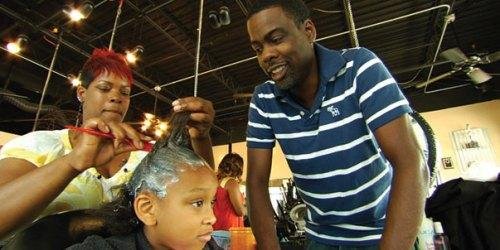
column 213, row 202
column 125, row 92
column 198, row 203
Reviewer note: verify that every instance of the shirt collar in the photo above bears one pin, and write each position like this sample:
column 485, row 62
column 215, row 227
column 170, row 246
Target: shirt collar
column 329, row 64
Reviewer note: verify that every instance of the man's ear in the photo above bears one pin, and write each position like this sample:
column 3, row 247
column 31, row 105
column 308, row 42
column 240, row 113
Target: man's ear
column 145, row 208
column 310, row 30
column 80, row 93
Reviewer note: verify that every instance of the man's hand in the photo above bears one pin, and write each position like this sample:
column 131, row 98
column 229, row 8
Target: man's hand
column 202, row 115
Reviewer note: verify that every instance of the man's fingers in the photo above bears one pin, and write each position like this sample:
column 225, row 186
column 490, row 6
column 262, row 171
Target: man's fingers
column 200, row 118
column 193, row 104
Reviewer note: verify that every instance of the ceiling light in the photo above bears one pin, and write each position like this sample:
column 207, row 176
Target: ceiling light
column 158, row 133
column 77, row 14
column 213, row 19
column 224, row 17
column 74, row 80
column 133, row 55
column 163, row 126
column 149, row 116
column 16, row 46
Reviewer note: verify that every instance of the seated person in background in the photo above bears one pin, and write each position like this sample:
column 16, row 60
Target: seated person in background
column 229, row 207
column 47, row 172
column 168, row 202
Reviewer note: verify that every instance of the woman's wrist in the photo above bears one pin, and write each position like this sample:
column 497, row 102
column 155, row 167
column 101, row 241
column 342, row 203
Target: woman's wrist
column 77, row 166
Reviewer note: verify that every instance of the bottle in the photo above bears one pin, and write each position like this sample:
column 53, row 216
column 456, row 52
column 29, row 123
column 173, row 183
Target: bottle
column 441, row 241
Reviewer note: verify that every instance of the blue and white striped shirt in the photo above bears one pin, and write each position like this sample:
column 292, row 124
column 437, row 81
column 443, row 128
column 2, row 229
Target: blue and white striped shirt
column 337, row 165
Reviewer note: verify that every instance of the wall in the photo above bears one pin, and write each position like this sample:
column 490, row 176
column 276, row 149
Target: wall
column 480, row 115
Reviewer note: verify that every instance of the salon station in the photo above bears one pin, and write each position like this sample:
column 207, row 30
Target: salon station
column 114, row 72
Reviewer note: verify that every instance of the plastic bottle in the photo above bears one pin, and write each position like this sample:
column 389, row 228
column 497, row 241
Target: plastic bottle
column 441, row 241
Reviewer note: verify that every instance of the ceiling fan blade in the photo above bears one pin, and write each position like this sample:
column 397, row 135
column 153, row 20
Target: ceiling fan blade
column 434, row 79
column 493, row 57
column 455, row 55
column 478, row 76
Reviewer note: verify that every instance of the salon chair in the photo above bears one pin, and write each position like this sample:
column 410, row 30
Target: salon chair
column 58, row 231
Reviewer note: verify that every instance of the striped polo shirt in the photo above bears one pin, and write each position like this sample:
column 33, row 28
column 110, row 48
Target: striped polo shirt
column 337, row 165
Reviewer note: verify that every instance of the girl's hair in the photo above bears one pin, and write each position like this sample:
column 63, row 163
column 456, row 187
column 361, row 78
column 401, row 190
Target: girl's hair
column 159, row 168
column 105, row 61
column 230, row 166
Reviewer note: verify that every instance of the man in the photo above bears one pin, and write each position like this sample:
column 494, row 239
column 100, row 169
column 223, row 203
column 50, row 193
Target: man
column 342, row 124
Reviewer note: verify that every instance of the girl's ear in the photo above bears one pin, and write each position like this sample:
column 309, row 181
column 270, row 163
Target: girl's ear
column 144, row 207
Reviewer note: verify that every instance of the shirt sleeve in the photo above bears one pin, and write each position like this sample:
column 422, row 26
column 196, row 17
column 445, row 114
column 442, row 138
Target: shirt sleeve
column 259, row 131
column 380, row 98
column 38, row 147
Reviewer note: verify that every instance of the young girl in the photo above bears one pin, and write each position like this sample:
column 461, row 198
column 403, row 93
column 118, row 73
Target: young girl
column 229, row 208
column 168, row 202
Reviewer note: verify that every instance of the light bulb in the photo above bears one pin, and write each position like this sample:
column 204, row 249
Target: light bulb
column 158, row 132
column 147, row 123
column 149, row 116
column 76, row 82
column 13, row 47
column 75, row 15
column 17, row 46
column 163, row 126
column 133, row 55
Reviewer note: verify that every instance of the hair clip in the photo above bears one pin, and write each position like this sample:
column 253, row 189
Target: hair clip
column 147, row 145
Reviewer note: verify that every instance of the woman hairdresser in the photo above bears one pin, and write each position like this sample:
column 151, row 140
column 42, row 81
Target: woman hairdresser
column 47, row 172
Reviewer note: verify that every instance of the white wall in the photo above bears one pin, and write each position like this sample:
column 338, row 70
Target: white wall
column 480, row 115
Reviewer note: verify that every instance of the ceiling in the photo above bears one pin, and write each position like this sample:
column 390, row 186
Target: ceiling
column 167, row 31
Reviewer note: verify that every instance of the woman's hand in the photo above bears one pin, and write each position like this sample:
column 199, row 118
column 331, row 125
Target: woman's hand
column 202, row 115
column 93, row 151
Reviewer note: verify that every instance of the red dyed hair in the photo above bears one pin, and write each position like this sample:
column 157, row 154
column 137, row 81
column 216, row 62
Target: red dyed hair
column 105, row 61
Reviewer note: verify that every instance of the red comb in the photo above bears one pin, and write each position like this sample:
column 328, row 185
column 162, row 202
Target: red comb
column 147, row 145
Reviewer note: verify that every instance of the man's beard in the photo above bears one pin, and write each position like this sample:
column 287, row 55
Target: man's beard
column 290, row 81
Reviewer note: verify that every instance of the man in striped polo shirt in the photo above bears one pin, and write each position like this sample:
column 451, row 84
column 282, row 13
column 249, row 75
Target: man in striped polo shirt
column 342, row 124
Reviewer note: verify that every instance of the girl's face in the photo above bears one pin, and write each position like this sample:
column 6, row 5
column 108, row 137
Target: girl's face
column 185, row 216
column 107, row 97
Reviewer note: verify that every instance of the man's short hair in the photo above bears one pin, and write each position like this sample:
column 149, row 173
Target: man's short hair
column 296, row 9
